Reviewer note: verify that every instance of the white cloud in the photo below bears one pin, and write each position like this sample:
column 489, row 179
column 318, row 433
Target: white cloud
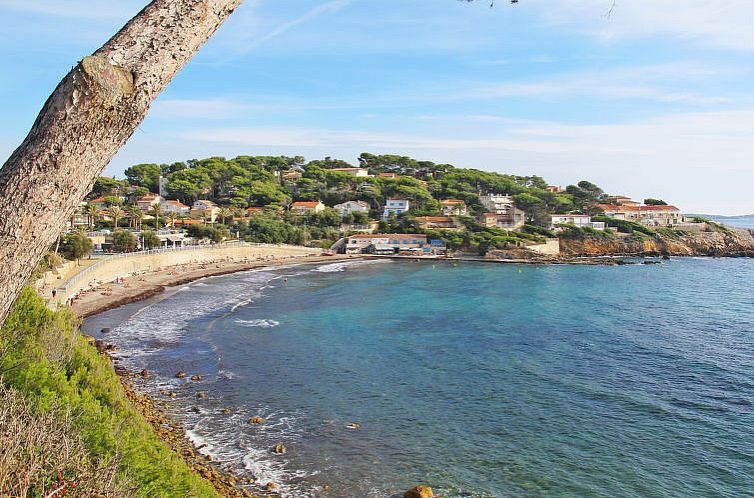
column 721, row 23
column 701, row 161
column 659, row 82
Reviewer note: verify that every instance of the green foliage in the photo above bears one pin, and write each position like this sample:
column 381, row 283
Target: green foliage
column 625, row 226
column 105, row 186
column 53, row 365
column 538, row 231
column 150, row 239
column 76, row 245
column 655, row 202
column 112, row 200
column 124, row 241
column 215, row 234
column 271, row 230
column 570, row 231
column 145, row 175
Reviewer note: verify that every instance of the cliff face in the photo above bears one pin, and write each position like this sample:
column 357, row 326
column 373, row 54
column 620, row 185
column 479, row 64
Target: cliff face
column 730, row 242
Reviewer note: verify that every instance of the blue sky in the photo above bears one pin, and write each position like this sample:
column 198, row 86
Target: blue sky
column 654, row 100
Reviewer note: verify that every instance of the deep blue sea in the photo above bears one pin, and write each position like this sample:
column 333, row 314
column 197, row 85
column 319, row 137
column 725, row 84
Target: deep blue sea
column 481, row 380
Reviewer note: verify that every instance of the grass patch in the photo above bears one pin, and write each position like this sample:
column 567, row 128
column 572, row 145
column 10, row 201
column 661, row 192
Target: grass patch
column 44, row 357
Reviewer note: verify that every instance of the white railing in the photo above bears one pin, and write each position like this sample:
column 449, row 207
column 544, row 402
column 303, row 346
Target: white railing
column 74, row 280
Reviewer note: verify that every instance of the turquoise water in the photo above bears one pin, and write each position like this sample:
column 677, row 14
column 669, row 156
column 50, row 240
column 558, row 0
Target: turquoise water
column 480, row 380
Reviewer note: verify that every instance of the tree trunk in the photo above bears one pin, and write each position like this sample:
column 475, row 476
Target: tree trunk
column 89, row 116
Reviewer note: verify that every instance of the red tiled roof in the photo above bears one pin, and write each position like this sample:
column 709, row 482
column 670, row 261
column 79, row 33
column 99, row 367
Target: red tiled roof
column 306, row 204
column 452, row 201
column 626, row 208
column 97, row 200
column 388, row 236
column 434, row 218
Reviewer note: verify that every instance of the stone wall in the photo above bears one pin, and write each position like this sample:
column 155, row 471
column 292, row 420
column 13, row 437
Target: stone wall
column 126, row 265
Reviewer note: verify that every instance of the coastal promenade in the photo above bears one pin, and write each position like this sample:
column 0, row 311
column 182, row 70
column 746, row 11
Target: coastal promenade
column 124, row 271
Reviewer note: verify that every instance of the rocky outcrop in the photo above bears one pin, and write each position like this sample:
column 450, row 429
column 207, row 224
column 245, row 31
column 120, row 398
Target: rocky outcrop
column 715, row 242
column 419, row 492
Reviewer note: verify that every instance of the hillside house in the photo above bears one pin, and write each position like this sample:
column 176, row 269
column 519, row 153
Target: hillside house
column 453, row 207
column 436, row 222
column 204, row 209
column 396, row 207
column 349, row 207
column 580, row 220
column 148, row 201
column 176, row 207
column 307, row 207
column 657, row 216
column 360, row 172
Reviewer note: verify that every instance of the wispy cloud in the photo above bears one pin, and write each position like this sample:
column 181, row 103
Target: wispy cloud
column 701, row 161
column 659, row 82
column 330, row 7
column 722, row 24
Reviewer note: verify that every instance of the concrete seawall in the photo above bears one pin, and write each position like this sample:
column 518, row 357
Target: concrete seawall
column 125, row 265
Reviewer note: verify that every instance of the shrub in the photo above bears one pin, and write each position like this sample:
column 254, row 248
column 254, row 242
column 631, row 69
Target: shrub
column 42, row 453
column 123, row 241
column 43, row 355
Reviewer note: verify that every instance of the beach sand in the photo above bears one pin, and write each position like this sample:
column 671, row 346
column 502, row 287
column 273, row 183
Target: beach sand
column 111, row 295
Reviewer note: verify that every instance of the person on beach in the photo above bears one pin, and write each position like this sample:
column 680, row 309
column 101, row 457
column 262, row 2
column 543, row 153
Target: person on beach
column 54, row 293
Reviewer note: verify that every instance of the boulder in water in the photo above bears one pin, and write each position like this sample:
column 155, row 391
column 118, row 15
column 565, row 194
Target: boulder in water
column 272, row 486
column 180, row 375
column 196, row 377
column 201, row 395
column 280, row 449
column 256, row 420
column 419, row 492
column 144, row 373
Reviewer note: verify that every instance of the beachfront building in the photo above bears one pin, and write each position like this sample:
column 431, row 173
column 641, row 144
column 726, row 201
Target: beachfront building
column 204, row 209
column 146, row 202
column 622, row 200
column 579, row 220
column 453, row 207
column 396, row 207
column 307, row 207
column 350, row 207
column 387, row 243
column 176, row 207
column 360, row 172
column 652, row 216
column 435, row 222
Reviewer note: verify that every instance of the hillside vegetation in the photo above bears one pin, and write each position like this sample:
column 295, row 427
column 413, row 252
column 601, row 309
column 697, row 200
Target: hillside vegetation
column 65, row 418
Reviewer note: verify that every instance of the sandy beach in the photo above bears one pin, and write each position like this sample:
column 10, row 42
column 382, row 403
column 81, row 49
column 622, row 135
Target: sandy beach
column 110, row 295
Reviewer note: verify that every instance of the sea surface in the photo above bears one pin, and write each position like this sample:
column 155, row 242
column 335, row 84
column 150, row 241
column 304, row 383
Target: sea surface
column 481, row 380
column 735, row 221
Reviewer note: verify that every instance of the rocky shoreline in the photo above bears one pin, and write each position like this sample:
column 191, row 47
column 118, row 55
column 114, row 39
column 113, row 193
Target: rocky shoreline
column 223, row 479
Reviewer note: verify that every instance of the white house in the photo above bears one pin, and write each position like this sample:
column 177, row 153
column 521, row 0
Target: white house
column 306, row 207
column 360, row 172
column 148, row 201
column 453, row 207
column 204, row 209
column 348, row 207
column 173, row 206
column 580, row 220
column 396, row 207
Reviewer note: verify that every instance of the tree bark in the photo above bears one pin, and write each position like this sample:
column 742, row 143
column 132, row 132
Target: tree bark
column 89, row 116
